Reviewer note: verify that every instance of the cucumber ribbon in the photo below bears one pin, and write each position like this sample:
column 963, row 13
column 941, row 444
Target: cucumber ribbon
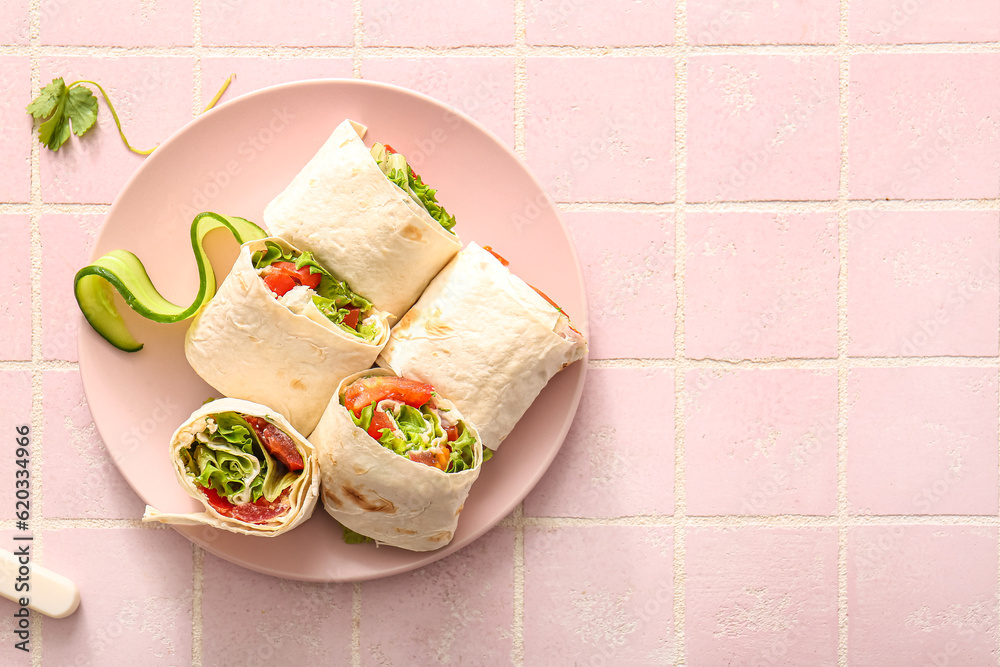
column 124, row 272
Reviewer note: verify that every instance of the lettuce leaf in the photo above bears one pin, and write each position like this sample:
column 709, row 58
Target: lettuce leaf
column 396, row 169
column 351, row 537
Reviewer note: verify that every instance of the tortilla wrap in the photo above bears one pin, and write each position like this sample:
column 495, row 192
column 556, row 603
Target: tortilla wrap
column 247, row 344
column 485, row 339
column 381, row 494
column 360, row 224
column 302, row 493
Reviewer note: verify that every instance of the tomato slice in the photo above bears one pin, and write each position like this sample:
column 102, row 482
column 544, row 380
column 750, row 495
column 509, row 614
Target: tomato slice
column 389, row 149
column 279, row 283
column 351, row 319
column 436, row 458
column 496, row 254
column 452, row 432
column 365, row 391
column 380, row 420
column 277, row 443
column 309, row 279
column 258, row 512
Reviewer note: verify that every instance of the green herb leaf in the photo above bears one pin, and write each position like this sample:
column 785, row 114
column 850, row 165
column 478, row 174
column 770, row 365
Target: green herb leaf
column 43, row 105
column 81, row 109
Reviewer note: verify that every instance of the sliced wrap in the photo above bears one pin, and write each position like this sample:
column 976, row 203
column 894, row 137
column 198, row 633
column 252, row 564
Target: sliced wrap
column 485, row 339
column 248, row 344
column 356, row 221
column 207, row 462
column 383, row 495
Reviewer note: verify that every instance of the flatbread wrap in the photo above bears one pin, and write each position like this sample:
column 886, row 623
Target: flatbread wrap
column 367, row 215
column 397, row 460
column 283, row 331
column 485, row 339
column 254, row 473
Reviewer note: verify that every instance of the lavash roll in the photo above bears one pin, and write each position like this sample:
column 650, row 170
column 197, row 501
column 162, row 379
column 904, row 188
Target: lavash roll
column 355, row 220
column 302, row 495
column 380, row 494
column 248, row 345
column 485, row 339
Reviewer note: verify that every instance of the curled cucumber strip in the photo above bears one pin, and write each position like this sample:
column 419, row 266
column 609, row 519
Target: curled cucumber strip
column 123, row 271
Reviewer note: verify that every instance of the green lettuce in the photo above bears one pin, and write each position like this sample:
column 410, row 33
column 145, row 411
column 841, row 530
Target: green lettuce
column 234, row 463
column 333, row 297
column 396, row 169
column 422, row 429
column 351, row 537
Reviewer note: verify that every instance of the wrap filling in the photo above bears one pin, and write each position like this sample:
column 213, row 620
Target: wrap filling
column 397, row 170
column 244, row 466
column 405, row 416
column 306, row 288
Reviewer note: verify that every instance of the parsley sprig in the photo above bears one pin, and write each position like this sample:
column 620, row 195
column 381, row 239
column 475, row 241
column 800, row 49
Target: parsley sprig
column 72, row 109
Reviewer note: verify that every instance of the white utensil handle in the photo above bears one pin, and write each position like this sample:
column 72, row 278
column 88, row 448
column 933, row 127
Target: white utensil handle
column 45, row 591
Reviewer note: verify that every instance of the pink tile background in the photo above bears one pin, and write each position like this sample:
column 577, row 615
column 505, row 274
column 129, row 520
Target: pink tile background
column 761, row 285
column 922, row 440
column 761, row 594
column 776, row 451
column 924, row 126
column 922, row 594
column 15, row 310
column 763, row 22
column 587, row 126
column 789, row 376
column 924, row 283
column 762, row 128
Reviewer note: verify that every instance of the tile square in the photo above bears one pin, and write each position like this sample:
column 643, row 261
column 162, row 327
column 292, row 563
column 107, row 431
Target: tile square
column 483, row 88
column 922, row 440
column 15, row 310
column 761, row 596
column 924, row 21
column 761, row 442
column 628, row 266
column 135, row 591
column 256, row 73
column 924, row 126
column 117, row 23
column 762, row 128
column 273, row 22
column 438, row 23
column 304, row 623
column 923, row 283
column 14, row 19
column 595, row 472
column 764, row 22
column 15, row 387
column 587, row 127
column 67, row 241
column 152, row 96
column 599, row 595
column 922, row 595
column 20, row 133
column 77, row 458
column 761, row 285
column 599, row 23
column 459, row 610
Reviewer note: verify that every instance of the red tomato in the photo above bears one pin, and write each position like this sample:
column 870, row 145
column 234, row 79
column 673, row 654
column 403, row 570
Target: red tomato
column 451, row 431
column 277, row 443
column 389, row 149
column 352, row 317
column 496, row 254
column 436, row 458
column 309, row 279
column 365, row 391
column 380, row 420
column 279, row 283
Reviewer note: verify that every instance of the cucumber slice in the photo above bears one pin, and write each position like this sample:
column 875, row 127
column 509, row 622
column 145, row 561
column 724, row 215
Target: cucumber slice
column 124, row 272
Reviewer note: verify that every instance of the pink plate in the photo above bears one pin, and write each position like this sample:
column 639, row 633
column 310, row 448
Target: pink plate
column 234, row 160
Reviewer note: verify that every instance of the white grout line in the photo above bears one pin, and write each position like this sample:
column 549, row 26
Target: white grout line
column 843, row 335
column 356, row 624
column 359, row 38
column 680, row 264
